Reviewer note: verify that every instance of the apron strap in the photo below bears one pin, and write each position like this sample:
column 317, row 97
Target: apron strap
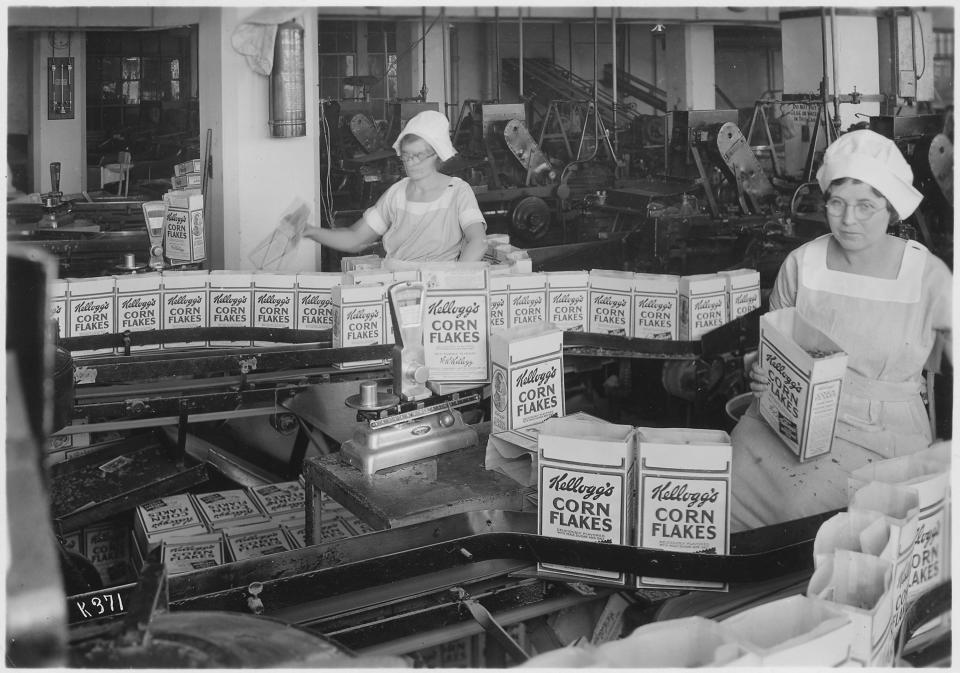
column 880, row 391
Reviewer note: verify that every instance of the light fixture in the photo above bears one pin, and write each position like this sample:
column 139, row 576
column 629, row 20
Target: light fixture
column 658, row 29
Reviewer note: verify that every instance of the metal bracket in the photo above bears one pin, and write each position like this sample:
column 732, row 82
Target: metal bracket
column 490, row 625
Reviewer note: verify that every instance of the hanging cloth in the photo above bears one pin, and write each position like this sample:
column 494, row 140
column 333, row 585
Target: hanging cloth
column 255, row 37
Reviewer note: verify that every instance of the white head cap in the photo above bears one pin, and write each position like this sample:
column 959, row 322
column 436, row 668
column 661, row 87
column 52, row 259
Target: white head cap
column 871, row 158
column 434, row 128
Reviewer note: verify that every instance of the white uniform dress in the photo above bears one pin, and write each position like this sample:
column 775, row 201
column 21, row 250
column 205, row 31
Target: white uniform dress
column 888, row 329
column 431, row 231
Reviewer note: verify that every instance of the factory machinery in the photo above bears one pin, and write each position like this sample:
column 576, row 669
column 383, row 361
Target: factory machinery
column 465, row 573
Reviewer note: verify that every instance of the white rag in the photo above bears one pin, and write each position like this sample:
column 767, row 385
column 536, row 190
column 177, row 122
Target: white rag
column 255, row 37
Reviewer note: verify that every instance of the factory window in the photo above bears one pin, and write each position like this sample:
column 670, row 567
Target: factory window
column 130, row 74
column 338, row 58
column 382, row 59
column 943, row 67
column 358, row 61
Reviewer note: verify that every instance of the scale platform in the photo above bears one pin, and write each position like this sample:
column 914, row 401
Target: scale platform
column 410, row 432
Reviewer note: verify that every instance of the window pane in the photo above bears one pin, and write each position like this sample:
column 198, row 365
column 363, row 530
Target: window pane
column 131, row 92
column 131, row 68
column 150, row 69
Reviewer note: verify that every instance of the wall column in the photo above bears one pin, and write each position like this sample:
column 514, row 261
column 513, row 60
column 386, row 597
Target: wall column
column 688, row 68
column 255, row 177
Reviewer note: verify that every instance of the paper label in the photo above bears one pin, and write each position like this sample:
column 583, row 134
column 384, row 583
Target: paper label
column 184, row 308
column 259, row 543
column 527, row 308
column 280, row 498
column 927, row 561
column 743, row 301
column 582, row 504
column 455, row 336
column 527, row 394
column 610, row 312
column 92, row 315
column 225, row 506
column 362, row 325
column 655, row 316
column 168, row 514
column 498, row 310
column 706, row 312
column 315, row 309
column 273, row 308
column 567, row 309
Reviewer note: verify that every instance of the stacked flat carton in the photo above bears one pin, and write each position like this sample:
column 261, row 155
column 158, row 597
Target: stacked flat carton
column 187, row 175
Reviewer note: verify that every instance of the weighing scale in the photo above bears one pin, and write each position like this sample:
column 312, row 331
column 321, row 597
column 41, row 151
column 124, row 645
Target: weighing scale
column 154, row 212
column 394, row 429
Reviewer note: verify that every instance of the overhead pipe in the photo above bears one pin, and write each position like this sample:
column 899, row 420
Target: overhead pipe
column 423, row 51
column 826, row 77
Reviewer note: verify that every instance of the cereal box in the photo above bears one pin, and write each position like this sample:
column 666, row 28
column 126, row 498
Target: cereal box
column 805, row 369
column 611, row 297
column 190, row 181
column 567, row 293
column 273, row 302
column 497, row 280
column 743, row 291
column 231, row 303
column 256, row 540
column 91, row 308
column 359, row 319
column 194, row 553
column 683, row 496
column 527, row 376
column 168, row 517
column 282, row 500
column 455, row 330
column 73, row 542
column 107, row 547
column 360, row 262
column 315, row 299
column 703, row 304
column 656, row 299
column 586, row 472
column 526, row 299
column 184, row 297
column 138, row 306
column 183, row 227
column 59, row 289
column 296, row 533
column 187, row 167
column 227, row 509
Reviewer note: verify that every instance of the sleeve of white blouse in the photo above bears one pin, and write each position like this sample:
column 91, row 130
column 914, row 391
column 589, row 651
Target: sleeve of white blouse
column 940, row 286
column 380, row 215
column 784, row 292
column 468, row 210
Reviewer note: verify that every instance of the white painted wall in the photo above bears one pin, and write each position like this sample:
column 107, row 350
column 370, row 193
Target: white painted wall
column 688, row 69
column 255, row 177
column 62, row 140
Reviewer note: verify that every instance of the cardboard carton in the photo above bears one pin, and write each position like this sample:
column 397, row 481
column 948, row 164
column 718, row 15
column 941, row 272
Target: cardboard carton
column 805, row 369
column 455, row 330
column 138, row 306
column 187, row 167
column 256, row 540
column 526, row 299
column 611, row 302
column 59, row 290
column 183, row 227
column 586, row 471
column 567, row 295
column 91, row 308
column 169, row 517
column 703, row 304
column 281, row 500
column 228, row 509
column 527, row 376
column 185, row 296
column 683, row 496
column 274, row 295
column 656, row 305
column 107, row 547
column 359, row 319
column 743, row 291
column 194, row 553
column 230, row 303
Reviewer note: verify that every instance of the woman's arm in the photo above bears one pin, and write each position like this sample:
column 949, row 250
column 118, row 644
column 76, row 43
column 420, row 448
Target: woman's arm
column 352, row 239
column 474, row 245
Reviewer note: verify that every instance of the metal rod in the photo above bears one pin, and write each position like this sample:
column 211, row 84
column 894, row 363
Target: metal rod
column 833, row 59
column 520, row 30
column 443, row 55
column 596, row 92
column 423, row 51
column 496, row 46
column 613, row 49
column 826, row 77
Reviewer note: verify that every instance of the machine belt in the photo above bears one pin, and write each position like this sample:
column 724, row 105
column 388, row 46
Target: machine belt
column 755, row 562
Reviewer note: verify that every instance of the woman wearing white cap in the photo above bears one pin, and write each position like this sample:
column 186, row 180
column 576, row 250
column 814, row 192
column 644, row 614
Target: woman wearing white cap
column 425, row 217
column 886, row 301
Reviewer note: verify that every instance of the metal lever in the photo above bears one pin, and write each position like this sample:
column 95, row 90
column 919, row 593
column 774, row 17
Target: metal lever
column 490, row 625
column 55, row 177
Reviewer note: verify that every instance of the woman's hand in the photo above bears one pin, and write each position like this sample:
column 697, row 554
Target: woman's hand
column 758, row 377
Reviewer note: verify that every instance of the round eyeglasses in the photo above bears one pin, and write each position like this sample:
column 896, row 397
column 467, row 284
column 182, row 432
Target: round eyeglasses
column 862, row 210
column 408, row 158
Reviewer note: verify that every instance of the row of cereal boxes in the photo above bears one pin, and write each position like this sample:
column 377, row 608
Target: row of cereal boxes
column 195, row 531
column 669, row 489
column 466, row 303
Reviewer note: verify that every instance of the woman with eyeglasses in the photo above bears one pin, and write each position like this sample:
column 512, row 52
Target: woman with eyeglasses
column 425, row 217
column 886, row 301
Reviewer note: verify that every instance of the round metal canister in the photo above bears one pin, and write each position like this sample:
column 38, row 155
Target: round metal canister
column 288, row 110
